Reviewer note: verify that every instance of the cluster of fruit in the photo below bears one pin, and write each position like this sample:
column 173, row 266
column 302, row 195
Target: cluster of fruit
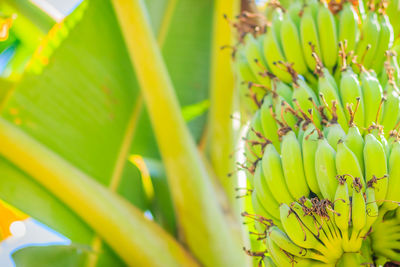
column 322, row 148
column 294, row 34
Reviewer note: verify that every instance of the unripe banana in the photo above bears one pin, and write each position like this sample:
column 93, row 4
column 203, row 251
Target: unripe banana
column 291, row 44
column 330, row 94
column 371, row 209
column 327, row 36
column 272, row 169
column 355, row 142
column 301, row 100
column 294, row 172
column 283, row 259
column 342, row 207
column 321, row 227
column 358, row 211
column 392, row 67
column 253, row 152
column 385, row 41
column 246, row 75
column 283, row 90
column 277, row 255
column 309, row 148
column 285, row 116
column 347, row 164
column 391, row 110
column 283, row 241
column 393, row 192
column 334, row 134
column 264, row 194
column 268, row 124
column 294, row 11
column 375, row 166
column 325, row 169
column 268, row 262
column 327, row 74
column 309, row 37
column 253, row 53
column 272, row 49
column 369, row 38
column 348, row 26
column 295, row 229
column 350, row 91
column 393, row 14
column 372, row 95
column 259, row 208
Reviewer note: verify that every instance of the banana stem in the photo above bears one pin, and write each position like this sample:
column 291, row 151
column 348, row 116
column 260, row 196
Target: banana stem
column 200, row 216
column 221, row 134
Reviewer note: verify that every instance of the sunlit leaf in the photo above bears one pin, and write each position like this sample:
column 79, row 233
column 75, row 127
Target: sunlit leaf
column 50, row 256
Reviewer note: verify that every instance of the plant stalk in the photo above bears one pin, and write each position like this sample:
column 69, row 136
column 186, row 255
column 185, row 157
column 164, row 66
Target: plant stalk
column 221, row 135
column 200, row 217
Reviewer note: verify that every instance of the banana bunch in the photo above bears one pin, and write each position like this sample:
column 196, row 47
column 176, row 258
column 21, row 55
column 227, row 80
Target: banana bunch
column 341, row 224
column 311, row 27
column 299, row 147
column 323, row 145
column 314, row 232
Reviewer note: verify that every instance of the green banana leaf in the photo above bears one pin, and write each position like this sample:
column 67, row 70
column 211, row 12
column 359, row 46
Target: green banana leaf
column 49, row 256
column 83, row 105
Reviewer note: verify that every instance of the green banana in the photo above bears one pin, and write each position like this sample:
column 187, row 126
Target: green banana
column 294, row 172
column 253, row 53
column 264, row 194
column 296, row 230
column 372, row 95
column 283, row 241
column 268, row 123
column 253, row 152
column 334, row 134
column 327, row 36
column 294, row 11
column 347, row 164
column 350, row 90
column 285, row 116
column 302, row 96
column 342, row 207
column 245, row 76
column 375, row 166
column 391, row 110
column 291, row 44
column 385, row 42
column 273, row 173
column 358, row 214
column 325, row 169
column 369, row 39
column 329, row 93
column 393, row 194
column 258, row 208
column 355, row 142
column 348, row 26
column 272, row 49
column 393, row 13
column 309, row 148
column 283, row 259
column 283, row 90
column 371, row 209
column 309, row 37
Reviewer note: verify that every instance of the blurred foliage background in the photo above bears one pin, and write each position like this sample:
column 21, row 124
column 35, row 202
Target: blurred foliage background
column 68, row 88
